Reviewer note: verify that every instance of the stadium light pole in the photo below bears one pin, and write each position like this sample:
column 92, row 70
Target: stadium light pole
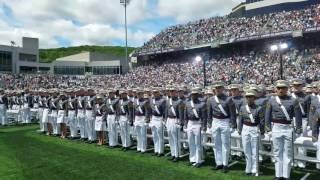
column 280, row 48
column 199, row 59
column 125, row 3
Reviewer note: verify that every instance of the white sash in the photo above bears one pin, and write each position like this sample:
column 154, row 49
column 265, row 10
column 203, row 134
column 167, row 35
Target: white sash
column 318, row 98
column 194, row 110
column 139, row 107
column 46, row 102
column 1, row 99
column 121, row 106
column 283, row 108
column 40, row 101
column 98, row 109
column 171, row 107
column 220, row 106
column 70, row 103
column 89, row 102
column 250, row 114
column 79, row 102
column 301, row 108
column 60, row 104
column 110, row 105
column 155, row 106
column 53, row 103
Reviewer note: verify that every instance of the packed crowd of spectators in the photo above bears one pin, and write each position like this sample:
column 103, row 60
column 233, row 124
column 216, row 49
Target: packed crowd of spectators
column 255, row 67
column 224, row 28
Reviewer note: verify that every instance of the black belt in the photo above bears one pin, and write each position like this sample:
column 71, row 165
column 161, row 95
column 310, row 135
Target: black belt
column 220, row 117
column 89, row 109
column 281, row 121
column 250, row 124
column 194, row 120
column 99, row 115
column 173, row 117
column 110, row 113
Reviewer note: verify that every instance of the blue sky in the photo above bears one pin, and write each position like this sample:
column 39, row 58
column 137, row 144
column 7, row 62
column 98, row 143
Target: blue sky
column 63, row 23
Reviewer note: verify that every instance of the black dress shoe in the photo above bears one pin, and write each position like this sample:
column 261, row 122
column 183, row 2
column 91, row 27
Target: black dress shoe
column 160, row 154
column 175, row 159
column 154, row 154
column 171, row 158
column 276, row 178
column 190, row 163
column 248, row 174
column 197, row 165
column 138, row 151
column 219, row 167
column 225, row 169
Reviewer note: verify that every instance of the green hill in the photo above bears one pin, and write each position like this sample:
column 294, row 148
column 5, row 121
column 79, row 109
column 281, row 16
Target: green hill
column 49, row 55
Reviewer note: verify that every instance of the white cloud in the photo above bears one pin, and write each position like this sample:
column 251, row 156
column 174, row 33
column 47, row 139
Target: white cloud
column 186, row 10
column 101, row 21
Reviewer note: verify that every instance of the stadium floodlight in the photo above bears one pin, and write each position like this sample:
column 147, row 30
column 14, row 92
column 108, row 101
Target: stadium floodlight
column 283, row 46
column 125, row 3
column 273, row 47
column 280, row 48
column 198, row 58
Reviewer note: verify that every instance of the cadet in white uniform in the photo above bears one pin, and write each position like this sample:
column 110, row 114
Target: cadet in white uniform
column 281, row 111
column 251, row 125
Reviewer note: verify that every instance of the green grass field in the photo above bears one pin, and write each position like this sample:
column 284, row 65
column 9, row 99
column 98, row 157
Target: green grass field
column 24, row 154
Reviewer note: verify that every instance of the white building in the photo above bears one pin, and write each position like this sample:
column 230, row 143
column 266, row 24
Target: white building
column 23, row 59
column 87, row 63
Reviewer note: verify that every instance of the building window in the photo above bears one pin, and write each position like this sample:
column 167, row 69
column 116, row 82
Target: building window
column 27, row 57
column 27, row 69
column 5, row 61
column 69, row 70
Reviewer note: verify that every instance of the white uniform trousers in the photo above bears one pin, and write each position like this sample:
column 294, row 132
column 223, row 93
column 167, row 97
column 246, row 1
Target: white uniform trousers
column 112, row 130
column 250, row 142
column 26, row 114
column 3, row 115
column 82, row 123
column 302, row 150
column 141, row 132
column 125, row 131
column 54, row 123
column 156, row 125
column 236, row 142
column 282, row 149
column 318, row 150
column 195, row 140
column 90, row 122
column 72, row 122
column 221, row 135
column 173, row 129
column 43, row 126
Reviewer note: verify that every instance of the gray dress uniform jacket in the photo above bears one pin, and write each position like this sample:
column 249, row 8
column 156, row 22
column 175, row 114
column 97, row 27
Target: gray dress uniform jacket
column 215, row 112
column 257, row 114
column 274, row 113
column 201, row 109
